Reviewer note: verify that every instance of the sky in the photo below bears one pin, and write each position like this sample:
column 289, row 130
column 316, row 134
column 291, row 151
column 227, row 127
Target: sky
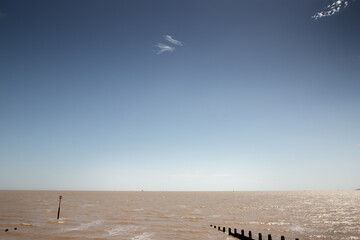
column 180, row 95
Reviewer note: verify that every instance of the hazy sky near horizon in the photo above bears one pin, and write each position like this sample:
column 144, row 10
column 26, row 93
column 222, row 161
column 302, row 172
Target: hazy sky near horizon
column 179, row 95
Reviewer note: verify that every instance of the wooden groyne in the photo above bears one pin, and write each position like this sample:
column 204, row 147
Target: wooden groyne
column 7, row 229
column 242, row 235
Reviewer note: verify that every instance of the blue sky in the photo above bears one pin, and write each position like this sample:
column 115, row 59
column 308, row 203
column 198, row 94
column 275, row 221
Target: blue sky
column 180, row 95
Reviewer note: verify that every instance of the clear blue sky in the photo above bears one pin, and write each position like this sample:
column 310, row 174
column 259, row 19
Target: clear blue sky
column 255, row 95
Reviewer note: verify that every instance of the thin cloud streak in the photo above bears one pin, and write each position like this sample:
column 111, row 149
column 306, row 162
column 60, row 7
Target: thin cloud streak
column 166, row 48
column 163, row 48
column 172, row 40
column 332, row 9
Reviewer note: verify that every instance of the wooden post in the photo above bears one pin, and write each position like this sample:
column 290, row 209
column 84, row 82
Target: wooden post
column 269, row 237
column 58, row 215
column 242, row 232
column 235, row 231
column 219, row 228
column 214, row 226
column 260, row 236
column 282, row 238
column 250, row 235
column 224, row 229
column 229, row 231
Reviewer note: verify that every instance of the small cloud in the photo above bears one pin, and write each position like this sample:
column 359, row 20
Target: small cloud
column 163, row 48
column 172, row 40
column 332, row 9
column 166, row 48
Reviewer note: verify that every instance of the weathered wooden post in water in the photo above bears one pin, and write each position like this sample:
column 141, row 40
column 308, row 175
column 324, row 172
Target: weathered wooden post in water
column 58, row 215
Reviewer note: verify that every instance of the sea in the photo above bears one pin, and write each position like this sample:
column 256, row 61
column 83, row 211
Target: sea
column 179, row 215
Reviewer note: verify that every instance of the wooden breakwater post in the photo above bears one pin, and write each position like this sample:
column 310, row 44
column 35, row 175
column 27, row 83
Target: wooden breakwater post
column 242, row 235
column 58, row 215
column 6, row 229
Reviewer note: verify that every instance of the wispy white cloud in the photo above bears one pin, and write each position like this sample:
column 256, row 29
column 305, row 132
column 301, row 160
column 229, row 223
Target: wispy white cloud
column 163, row 48
column 332, row 9
column 172, row 40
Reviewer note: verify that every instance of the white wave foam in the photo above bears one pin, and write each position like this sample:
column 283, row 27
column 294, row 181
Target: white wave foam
column 143, row 236
column 120, row 230
column 86, row 205
column 268, row 223
column 27, row 224
column 197, row 211
column 354, row 238
column 297, row 228
column 85, row 226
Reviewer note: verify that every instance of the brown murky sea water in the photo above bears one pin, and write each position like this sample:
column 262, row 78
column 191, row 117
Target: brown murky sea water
column 179, row 215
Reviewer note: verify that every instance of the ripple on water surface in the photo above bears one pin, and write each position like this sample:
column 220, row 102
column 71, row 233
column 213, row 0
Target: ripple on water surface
column 176, row 215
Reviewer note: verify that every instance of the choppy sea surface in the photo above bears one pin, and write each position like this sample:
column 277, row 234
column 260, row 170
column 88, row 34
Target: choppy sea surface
column 179, row 215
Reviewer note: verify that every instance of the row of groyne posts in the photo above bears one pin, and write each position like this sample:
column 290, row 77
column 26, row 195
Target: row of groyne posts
column 242, row 235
